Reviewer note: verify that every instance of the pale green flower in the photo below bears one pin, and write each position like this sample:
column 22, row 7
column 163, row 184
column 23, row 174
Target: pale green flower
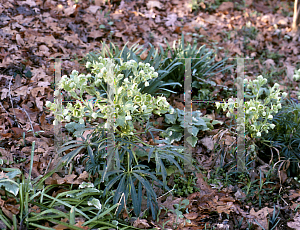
column 94, row 115
column 74, row 72
column 48, row 103
column 127, row 96
column 65, row 112
column 68, row 118
column 258, row 134
column 88, row 64
column 256, row 108
column 128, row 117
column 56, row 93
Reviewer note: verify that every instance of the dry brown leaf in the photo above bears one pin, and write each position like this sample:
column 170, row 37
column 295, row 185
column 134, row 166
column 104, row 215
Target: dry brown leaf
column 296, row 223
column 294, row 194
column 202, row 184
column 226, row 6
column 269, row 63
column 141, row 223
column 93, row 9
column 19, row 40
column 171, row 20
column 261, row 216
column 283, row 176
column 208, row 142
column 191, row 215
column 70, row 10
column 248, row 2
column 212, row 19
column 154, row 3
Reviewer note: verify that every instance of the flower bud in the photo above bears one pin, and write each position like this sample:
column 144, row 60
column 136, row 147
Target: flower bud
column 260, row 77
column 68, row 118
column 94, row 115
column 258, row 134
column 65, row 112
column 56, row 93
column 48, row 104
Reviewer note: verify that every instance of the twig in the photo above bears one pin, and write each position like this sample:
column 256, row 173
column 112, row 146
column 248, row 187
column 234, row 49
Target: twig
column 119, row 203
column 28, row 119
column 165, row 194
column 284, row 201
column 260, row 160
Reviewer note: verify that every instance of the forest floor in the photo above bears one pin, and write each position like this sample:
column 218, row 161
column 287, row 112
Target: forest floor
column 34, row 33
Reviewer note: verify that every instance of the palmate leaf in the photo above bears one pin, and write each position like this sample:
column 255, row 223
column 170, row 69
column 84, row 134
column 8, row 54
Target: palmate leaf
column 286, row 135
column 151, row 196
column 126, row 187
column 114, row 180
column 68, row 158
column 121, row 192
column 167, row 153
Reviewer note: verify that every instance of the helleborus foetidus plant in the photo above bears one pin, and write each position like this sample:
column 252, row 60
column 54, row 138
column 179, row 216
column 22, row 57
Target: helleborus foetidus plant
column 129, row 104
column 257, row 111
column 126, row 104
